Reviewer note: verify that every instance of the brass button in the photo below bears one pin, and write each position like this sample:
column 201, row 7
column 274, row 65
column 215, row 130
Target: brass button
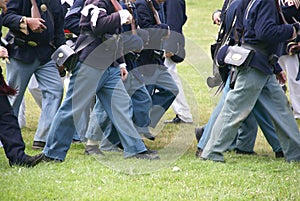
column 43, row 7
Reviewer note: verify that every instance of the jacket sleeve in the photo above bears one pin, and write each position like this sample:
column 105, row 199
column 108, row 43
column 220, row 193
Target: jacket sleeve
column 176, row 18
column 13, row 18
column 175, row 15
column 99, row 19
column 72, row 17
column 145, row 21
column 57, row 14
column 267, row 29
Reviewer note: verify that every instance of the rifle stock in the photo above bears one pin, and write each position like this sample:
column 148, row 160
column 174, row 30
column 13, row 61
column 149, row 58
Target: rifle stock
column 116, row 5
column 155, row 13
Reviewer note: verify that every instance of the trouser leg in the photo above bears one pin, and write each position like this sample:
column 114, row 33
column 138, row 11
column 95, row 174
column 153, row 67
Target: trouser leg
column 51, row 86
column 163, row 91
column 118, row 107
column 10, row 133
column 213, row 117
column 266, row 125
column 276, row 104
column 247, row 134
column 238, row 105
column 179, row 105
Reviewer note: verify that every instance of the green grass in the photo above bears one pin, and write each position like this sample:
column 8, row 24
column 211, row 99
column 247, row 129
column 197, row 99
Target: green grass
column 178, row 175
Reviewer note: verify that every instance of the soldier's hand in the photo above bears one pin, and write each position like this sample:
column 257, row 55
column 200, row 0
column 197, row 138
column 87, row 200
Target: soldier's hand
column 36, row 24
column 168, row 54
column 129, row 19
column 281, row 77
column 293, row 48
column 3, row 52
column 216, row 17
column 126, row 17
column 124, row 73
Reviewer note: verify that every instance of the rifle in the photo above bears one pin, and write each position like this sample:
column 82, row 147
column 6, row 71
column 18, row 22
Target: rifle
column 116, row 5
column 220, row 75
column 155, row 13
column 130, row 7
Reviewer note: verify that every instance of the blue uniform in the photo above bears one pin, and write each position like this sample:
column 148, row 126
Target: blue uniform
column 46, row 41
column 72, row 17
column 248, row 131
column 10, row 133
column 31, row 54
column 96, row 74
column 263, row 32
column 175, row 42
column 156, row 33
column 159, row 83
column 141, row 100
column 256, row 83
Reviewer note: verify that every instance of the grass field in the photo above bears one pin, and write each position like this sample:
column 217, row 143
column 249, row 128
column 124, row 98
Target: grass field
column 178, row 175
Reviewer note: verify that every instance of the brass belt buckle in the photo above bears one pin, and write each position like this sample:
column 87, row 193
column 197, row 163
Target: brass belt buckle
column 32, row 43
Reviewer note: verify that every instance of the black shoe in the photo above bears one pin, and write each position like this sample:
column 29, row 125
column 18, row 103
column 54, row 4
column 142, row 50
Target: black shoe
column 284, row 88
column 48, row 159
column 93, row 150
column 198, row 153
column 74, row 141
column 149, row 136
column 199, row 132
column 151, row 151
column 279, row 154
column 120, row 146
column 176, row 120
column 30, row 161
column 38, row 145
column 148, row 155
column 238, row 151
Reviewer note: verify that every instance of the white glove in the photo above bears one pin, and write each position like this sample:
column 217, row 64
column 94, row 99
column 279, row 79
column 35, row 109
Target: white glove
column 126, row 17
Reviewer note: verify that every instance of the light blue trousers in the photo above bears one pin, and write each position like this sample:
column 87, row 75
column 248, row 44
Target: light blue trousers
column 84, row 84
column 48, row 78
column 254, row 86
column 246, row 135
column 100, row 127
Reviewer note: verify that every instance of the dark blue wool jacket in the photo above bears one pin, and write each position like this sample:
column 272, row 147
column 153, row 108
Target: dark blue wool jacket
column 264, row 29
column 47, row 41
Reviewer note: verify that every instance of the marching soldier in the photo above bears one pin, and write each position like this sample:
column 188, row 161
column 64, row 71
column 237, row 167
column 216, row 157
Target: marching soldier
column 98, row 72
column 10, row 132
column 257, row 83
column 159, row 82
column 35, row 30
column 289, row 60
column 176, row 17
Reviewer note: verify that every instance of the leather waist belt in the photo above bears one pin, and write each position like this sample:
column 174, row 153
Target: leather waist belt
column 272, row 58
column 22, row 42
